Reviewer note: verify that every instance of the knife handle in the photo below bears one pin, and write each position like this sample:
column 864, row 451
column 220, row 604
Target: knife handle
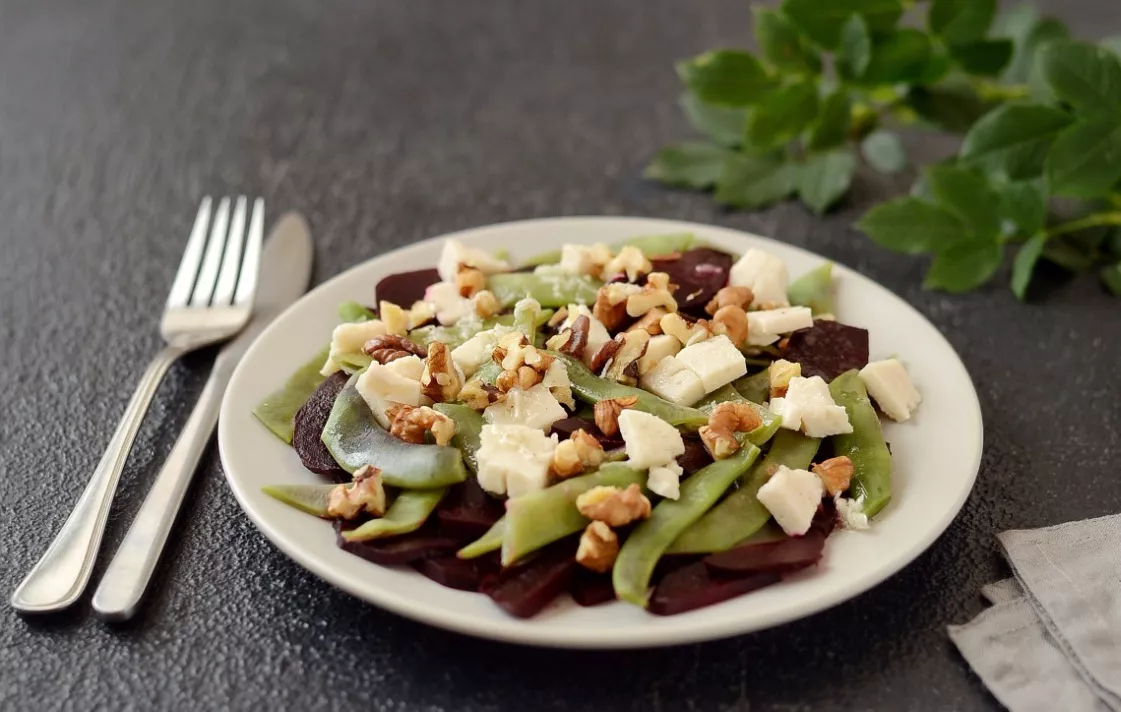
column 123, row 585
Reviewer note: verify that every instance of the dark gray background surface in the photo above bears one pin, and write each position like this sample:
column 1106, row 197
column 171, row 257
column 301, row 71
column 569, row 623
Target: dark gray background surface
column 385, row 123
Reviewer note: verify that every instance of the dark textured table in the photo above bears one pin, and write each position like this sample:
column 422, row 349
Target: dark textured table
column 385, row 123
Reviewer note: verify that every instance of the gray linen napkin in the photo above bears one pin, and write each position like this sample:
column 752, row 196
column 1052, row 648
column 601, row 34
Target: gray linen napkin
column 1052, row 639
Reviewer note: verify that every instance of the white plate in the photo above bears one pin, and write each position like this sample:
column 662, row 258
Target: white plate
column 936, row 455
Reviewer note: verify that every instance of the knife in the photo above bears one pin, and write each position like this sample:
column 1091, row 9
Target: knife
column 285, row 273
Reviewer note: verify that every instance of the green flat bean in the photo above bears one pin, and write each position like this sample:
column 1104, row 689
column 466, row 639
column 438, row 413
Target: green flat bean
column 468, row 431
column 646, row 544
column 540, row 518
column 352, row 312
column 306, row 498
column 650, row 245
column 814, row 289
column 865, row 445
column 525, row 319
column 756, row 387
column 728, row 394
column 550, row 290
column 741, row 514
column 278, row 410
column 591, row 389
column 463, row 330
column 491, row 541
column 407, row 514
column 354, row 438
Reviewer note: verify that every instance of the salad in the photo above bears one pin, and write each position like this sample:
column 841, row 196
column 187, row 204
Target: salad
column 658, row 422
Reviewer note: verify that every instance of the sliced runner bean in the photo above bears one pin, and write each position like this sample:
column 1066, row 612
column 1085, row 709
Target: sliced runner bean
column 865, row 445
column 592, row 389
column 407, row 514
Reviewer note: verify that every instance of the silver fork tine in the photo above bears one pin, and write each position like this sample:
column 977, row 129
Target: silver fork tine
column 192, row 256
column 231, row 261
column 247, row 282
column 209, row 272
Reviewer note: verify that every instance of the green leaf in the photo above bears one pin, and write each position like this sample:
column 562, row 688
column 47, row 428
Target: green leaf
column 781, row 42
column 1024, row 264
column 822, row 21
column 967, row 195
column 1085, row 161
column 937, row 66
column 825, row 177
column 964, row 267
column 726, row 78
column 1070, row 257
column 1013, row 139
column 1015, row 22
column 912, row 226
column 753, row 181
column 783, row 115
column 1085, row 76
column 884, row 151
column 901, row 56
column 694, row 164
column 1113, row 44
column 1024, row 67
column 856, row 48
column 722, row 124
column 961, row 20
column 984, row 57
column 1111, row 278
column 1024, row 203
column 951, row 107
column 833, row 121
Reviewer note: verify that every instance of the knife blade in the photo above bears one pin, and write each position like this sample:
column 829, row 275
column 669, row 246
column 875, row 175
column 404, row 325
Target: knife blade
column 286, row 261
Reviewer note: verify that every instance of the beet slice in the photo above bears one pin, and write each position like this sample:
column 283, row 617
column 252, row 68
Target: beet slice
column 693, row 587
column 307, row 429
column 695, row 457
column 398, row 550
column 828, row 349
column 460, row 574
column 404, row 288
column 524, row 589
column 565, row 427
column 783, row 555
column 699, row 274
column 589, row 588
column 468, row 512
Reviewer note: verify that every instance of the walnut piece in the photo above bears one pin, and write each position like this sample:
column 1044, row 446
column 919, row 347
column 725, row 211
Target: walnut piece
column 610, row 307
column 524, row 366
column 651, row 322
column 780, row 372
column 579, row 453
column 485, row 304
column 477, row 395
column 603, row 354
column 573, row 340
column 469, row 281
column 599, row 547
column 410, row 423
column 607, row 413
column 687, row 334
column 614, row 506
column 630, row 261
column 365, row 493
column 657, row 292
column 623, row 365
column 726, row 419
column 390, row 347
column 835, row 474
column 440, row 380
column 395, row 318
column 558, row 317
column 732, row 322
column 730, row 296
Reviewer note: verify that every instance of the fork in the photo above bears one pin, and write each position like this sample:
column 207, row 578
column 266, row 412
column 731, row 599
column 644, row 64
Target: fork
column 211, row 300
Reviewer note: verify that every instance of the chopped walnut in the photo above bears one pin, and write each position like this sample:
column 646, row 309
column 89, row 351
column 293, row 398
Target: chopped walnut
column 573, row 340
column 732, row 322
column 604, row 354
column 470, row 281
column 614, row 506
column 607, row 413
column 599, row 547
column 558, row 317
column 623, row 366
column 657, row 292
column 630, row 261
column 610, row 307
column 687, row 334
column 524, row 366
column 477, row 395
column 409, row 423
column 768, row 306
column 579, row 453
column 835, row 474
column 384, row 349
column 730, row 296
column 485, row 304
column 441, row 380
column 523, row 377
column 420, row 313
column 365, row 493
column 395, row 318
column 726, row 419
column 651, row 322
column 780, row 372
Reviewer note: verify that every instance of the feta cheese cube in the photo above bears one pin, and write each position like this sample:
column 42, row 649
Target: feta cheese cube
column 888, row 383
column 476, row 351
column 381, row 387
column 809, row 407
column 650, row 441
column 850, row 512
column 597, row 332
column 792, row 497
column 764, row 273
column 514, row 459
column 557, row 381
column 450, row 306
column 674, row 381
column 456, row 254
column 665, row 480
column 534, row 408
column 408, row 367
column 716, row 361
column 349, row 339
column 584, row 259
column 658, row 349
column 780, row 321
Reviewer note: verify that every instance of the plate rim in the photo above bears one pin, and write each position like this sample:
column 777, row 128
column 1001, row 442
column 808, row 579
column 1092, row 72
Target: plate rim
column 521, row 631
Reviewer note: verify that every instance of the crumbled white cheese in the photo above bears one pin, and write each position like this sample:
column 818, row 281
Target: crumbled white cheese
column 514, row 459
column 665, row 480
column 890, row 386
column 408, row 367
column 765, row 274
column 381, row 387
column 650, row 441
column 349, row 339
column 457, row 254
column 674, row 381
column 450, row 306
column 792, row 497
column 764, row 327
column 809, row 407
column 658, row 349
column 534, row 408
column 584, row 259
column 557, row 381
column 597, row 332
column 476, row 351
column 850, row 512
column 716, row 361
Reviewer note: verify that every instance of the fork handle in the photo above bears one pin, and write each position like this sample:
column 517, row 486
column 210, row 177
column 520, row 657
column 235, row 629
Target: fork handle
column 64, row 570
column 123, row 585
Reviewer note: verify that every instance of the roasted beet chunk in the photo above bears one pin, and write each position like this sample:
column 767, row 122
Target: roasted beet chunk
column 828, row 349
column 565, row 427
column 589, row 588
column 695, row 457
column 468, row 512
column 307, row 430
column 526, row 588
column 453, row 572
column 699, row 274
column 693, row 587
column 782, row 556
column 405, row 288
column 398, row 550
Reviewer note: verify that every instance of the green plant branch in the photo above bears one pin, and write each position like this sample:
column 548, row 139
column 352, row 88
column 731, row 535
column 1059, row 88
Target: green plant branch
column 1084, row 223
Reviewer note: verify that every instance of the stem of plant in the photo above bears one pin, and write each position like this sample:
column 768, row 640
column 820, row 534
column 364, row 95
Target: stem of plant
column 1094, row 220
